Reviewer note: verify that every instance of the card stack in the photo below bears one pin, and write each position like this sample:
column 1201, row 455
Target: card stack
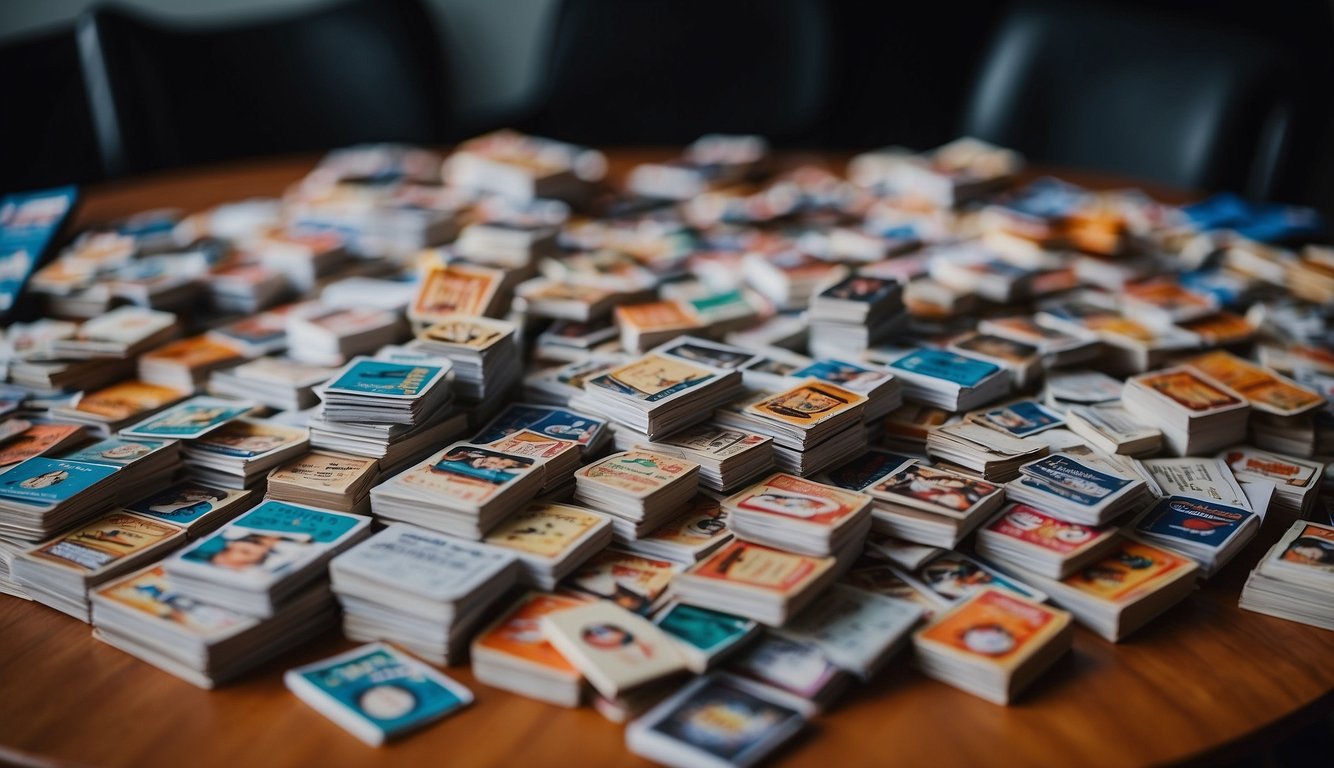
column 617, row 651
column 465, row 490
column 727, row 457
column 993, row 645
column 657, row 395
column 814, row 425
column 747, row 579
column 331, row 336
column 695, row 532
column 120, row 404
column 186, row 364
column 854, row 314
column 198, row 509
column 145, row 615
column 1074, row 491
column 241, row 452
column 1208, row 532
column 1196, row 414
column 1122, row 591
column 1295, row 578
column 327, row 480
column 483, row 351
column 142, row 464
column 260, row 561
column 510, row 656
column 274, row 381
column 1297, row 482
column 376, row 693
column 950, row 380
column 1204, row 479
column 590, row 433
column 560, row 458
column 991, row 453
column 1025, row 538
column 882, row 391
column 189, row 420
column 704, row 637
column 551, row 540
column 41, row 497
column 954, row 576
column 632, row 581
column 639, row 490
column 801, row 516
column 1110, row 428
column 374, row 391
column 421, row 590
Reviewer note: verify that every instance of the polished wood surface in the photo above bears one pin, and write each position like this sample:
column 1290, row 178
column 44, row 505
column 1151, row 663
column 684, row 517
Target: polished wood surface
column 1206, row 681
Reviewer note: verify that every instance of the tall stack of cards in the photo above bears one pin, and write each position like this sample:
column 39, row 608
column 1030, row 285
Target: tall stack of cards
column 261, row 561
column 1122, row 591
column 40, row 497
column 1196, row 414
column 465, row 490
column 883, row 392
column 239, row 453
column 854, row 314
column 509, row 655
column 483, row 351
column 145, row 615
column 326, row 480
column 802, row 516
column 1296, row 482
column 143, row 464
column 657, row 395
column 992, row 453
column 696, row 531
column 374, row 391
column 727, row 457
column 950, row 380
column 551, row 540
column 419, row 589
column 994, row 644
column 915, row 502
column 639, row 490
column 1295, row 578
column 60, row 572
column 747, row 579
column 814, row 425
column 1208, row 532
column 1025, row 538
column 1075, row 491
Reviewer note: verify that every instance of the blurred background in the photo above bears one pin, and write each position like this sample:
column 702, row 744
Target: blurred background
column 1205, row 94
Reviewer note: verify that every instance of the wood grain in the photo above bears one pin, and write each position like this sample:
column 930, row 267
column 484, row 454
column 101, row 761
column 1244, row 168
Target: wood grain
column 1206, row 679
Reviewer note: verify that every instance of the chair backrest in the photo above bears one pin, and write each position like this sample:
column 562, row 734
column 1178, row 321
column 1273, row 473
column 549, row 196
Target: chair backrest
column 165, row 94
column 1176, row 100
column 47, row 131
column 667, row 71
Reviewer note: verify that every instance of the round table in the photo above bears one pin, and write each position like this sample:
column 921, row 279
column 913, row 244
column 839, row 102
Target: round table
column 1205, row 681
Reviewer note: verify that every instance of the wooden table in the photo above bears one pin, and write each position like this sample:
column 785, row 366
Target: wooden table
column 1206, row 681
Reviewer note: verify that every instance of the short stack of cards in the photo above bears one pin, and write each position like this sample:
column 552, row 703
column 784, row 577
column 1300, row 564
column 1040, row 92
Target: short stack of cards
column 275, row 381
column 486, row 360
column 727, row 457
column 197, row 508
column 511, row 656
column 1110, row 428
column 551, row 540
column 858, row 631
column 1297, row 481
column 801, row 516
column 41, row 497
column 657, row 395
column 419, row 589
column 142, row 464
column 1027, row 538
column 882, row 391
column 696, row 531
column 1076, row 491
column 376, row 692
column 384, row 392
column 855, row 313
column 1295, row 578
column 639, row 490
column 994, row 644
column 465, row 490
column 327, row 480
column 994, row 454
column 950, row 380
column 814, row 425
column 1196, row 414
column 260, row 561
column 241, row 452
column 1209, row 532
column 761, row 583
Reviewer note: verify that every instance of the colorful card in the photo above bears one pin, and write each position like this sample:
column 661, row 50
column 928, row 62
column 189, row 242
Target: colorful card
column 526, row 442
column 793, row 498
column 702, row 352
column 850, row 376
column 368, row 377
column 996, row 626
column 468, row 333
column 711, row 440
column 707, row 631
column 700, row 524
column 948, row 366
column 866, row 470
column 116, row 451
column 190, row 419
column 630, row 581
column 806, row 404
column 934, row 489
column 652, row 379
column 998, row 348
column 184, row 503
column 47, row 482
column 554, row 422
column 1199, row 522
column 324, row 471
column 761, row 568
column 518, row 634
column 470, row 473
column 615, row 649
column 1021, row 419
column 546, row 530
column 1063, row 476
column 104, row 541
column 1264, row 389
column 1188, row 390
column 1034, row 527
column 34, row 441
column 1306, row 548
column 722, row 722
column 1250, row 464
column 638, row 473
column 955, row 576
column 247, row 439
column 126, row 400
column 455, row 289
column 151, row 593
column 1134, row 570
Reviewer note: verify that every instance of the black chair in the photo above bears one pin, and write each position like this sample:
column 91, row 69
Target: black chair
column 165, row 95
column 667, row 71
column 1169, row 98
column 47, row 131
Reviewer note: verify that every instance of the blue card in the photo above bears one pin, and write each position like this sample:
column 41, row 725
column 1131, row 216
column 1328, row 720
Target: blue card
column 376, row 692
column 1197, row 521
column 41, row 481
column 190, row 419
column 181, row 504
column 379, row 378
column 866, row 470
column 263, row 546
column 28, row 223
column 1063, row 476
column 949, row 366
column 1022, row 419
column 709, row 631
column 116, row 451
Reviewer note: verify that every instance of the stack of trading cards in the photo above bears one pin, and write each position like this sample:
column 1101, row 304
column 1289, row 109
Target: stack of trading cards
column 121, row 333
column 60, row 572
column 890, row 581
column 1122, row 591
column 260, row 561
column 274, row 381
column 1057, row 348
column 331, row 336
column 789, row 278
column 512, row 237
column 1196, row 414
column 1297, row 482
column 510, row 656
column 486, row 360
column 1295, row 578
column 1076, row 491
column 189, row 420
column 710, row 163
column 802, row 516
column 560, row 458
column 257, row 335
column 27, row 440
column 1110, row 428
column 187, row 363
column 639, row 489
column 392, row 445
column 992, row 453
column 1279, row 405
column 698, row 529
column 727, row 457
column 715, row 721
column 657, row 395
column 376, row 692
column 1029, row 539
column 854, row 314
column 994, row 644
column 447, row 290
column 950, row 380
column 1209, row 532
column 199, row 509
column 572, row 342
column 588, row 432
column 1205, row 479
column 421, row 590
column 523, row 167
column 797, row 671
column 327, row 480
column 1066, row 388
column 704, row 637
column 240, row 453
column 814, row 425
column 541, row 297
column 551, row 540
column 755, row 581
column 143, row 464
column 41, row 497
column 616, row 650
column 465, row 490
column 120, row 404
column 303, row 256
column 382, row 392
column 647, row 324
column 632, row 581
column 882, row 391
column 145, row 615
column 1023, row 361
column 858, row 631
